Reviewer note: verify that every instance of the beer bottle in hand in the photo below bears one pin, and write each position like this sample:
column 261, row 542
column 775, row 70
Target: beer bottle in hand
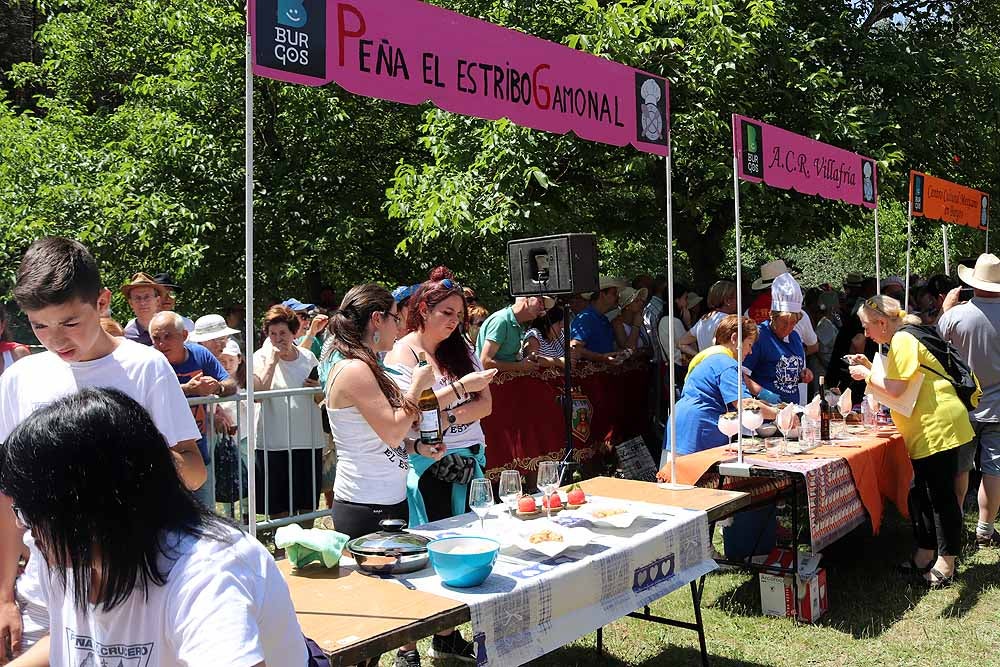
column 824, row 411
column 430, row 415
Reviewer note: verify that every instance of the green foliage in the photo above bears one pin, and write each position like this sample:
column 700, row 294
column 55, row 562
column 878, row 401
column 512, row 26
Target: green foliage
column 125, row 128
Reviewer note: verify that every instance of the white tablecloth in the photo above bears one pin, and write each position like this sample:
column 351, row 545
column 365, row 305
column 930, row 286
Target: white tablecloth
column 532, row 604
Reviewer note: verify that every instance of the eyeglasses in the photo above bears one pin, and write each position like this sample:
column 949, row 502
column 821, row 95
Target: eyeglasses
column 19, row 517
column 393, row 316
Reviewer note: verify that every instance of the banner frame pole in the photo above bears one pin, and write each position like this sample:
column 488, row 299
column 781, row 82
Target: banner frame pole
column 944, row 246
column 909, row 243
column 673, row 484
column 248, row 314
column 739, row 300
column 878, row 255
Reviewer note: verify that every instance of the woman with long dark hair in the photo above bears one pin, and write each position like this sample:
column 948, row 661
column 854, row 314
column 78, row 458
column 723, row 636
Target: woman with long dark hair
column 135, row 562
column 438, row 489
column 546, row 339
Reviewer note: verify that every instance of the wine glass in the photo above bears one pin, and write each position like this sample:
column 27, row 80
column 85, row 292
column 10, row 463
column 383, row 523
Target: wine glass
column 752, row 420
column 481, row 499
column 786, row 420
column 510, row 489
column 728, row 426
column 548, row 482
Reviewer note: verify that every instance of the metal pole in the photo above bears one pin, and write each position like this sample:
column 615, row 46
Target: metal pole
column 671, row 336
column 878, row 256
column 249, row 326
column 739, row 301
column 947, row 257
column 909, row 243
column 567, row 380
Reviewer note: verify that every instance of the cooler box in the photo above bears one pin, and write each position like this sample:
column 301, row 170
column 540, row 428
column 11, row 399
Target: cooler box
column 776, row 590
column 752, row 533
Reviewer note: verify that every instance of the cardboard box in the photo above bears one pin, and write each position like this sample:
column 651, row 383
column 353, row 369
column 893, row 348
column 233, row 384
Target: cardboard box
column 776, row 590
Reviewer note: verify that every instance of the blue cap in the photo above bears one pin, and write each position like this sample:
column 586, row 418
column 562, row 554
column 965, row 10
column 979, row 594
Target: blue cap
column 404, row 292
column 297, row 305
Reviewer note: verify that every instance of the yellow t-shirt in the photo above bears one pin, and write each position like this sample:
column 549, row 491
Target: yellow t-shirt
column 939, row 420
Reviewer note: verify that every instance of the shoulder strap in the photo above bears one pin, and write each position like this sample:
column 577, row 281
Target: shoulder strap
column 332, row 378
column 416, row 357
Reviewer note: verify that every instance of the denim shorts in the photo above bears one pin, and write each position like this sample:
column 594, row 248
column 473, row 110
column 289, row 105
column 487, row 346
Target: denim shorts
column 988, row 437
column 967, row 455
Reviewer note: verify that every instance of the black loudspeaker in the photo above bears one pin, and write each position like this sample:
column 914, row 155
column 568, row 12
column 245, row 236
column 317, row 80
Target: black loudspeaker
column 561, row 264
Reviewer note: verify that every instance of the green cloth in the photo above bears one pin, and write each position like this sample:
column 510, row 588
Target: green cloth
column 305, row 546
column 459, row 492
column 502, row 328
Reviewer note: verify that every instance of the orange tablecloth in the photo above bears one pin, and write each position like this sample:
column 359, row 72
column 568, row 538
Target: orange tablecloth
column 879, row 464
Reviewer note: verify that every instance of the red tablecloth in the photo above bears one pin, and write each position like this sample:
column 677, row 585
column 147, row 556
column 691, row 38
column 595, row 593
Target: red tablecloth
column 527, row 425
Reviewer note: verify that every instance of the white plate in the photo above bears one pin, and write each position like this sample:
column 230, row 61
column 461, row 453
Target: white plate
column 572, row 538
column 615, row 521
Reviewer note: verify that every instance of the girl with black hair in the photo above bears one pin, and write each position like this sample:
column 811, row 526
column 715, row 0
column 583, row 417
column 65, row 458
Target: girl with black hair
column 137, row 567
column 437, row 490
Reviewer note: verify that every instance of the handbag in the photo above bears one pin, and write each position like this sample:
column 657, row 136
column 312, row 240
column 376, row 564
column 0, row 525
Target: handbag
column 453, row 469
column 227, row 462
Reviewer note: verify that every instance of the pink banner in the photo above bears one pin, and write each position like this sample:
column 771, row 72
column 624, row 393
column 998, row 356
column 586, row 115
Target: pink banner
column 411, row 52
column 789, row 161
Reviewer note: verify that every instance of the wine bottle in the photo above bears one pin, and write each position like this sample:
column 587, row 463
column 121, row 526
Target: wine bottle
column 430, row 412
column 824, row 411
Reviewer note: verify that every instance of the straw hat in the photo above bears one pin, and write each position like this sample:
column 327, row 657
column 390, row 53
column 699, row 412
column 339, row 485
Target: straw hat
column 142, row 280
column 986, row 275
column 628, row 295
column 607, row 282
column 768, row 273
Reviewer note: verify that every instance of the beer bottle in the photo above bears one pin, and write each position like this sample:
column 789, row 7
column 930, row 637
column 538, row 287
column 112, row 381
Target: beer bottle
column 430, row 413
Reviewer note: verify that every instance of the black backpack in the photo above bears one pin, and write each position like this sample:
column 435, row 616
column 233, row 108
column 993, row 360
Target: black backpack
column 960, row 376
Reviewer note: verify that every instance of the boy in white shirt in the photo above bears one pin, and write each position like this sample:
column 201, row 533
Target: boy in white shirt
column 59, row 288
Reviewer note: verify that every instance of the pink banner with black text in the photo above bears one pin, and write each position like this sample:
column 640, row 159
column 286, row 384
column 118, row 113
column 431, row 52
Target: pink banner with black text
column 782, row 159
column 411, row 52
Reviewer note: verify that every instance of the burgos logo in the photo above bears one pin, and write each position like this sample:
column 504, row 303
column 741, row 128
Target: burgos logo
column 291, row 13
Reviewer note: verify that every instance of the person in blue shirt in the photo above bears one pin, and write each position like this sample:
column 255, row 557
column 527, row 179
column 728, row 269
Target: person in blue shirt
column 591, row 335
column 710, row 390
column 778, row 361
column 199, row 373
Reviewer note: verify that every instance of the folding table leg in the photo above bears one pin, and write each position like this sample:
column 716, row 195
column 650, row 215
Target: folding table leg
column 696, row 603
column 600, row 641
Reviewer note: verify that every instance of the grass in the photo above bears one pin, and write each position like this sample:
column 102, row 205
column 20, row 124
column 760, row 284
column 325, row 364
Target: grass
column 875, row 618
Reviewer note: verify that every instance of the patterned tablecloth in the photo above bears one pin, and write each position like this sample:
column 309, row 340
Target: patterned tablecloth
column 532, row 604
column 835, row 508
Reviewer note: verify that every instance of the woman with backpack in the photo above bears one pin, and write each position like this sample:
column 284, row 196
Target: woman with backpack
column 934, row 431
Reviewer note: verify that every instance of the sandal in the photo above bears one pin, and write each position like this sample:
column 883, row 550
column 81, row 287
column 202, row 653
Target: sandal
column 938, row 580
column 910, row 567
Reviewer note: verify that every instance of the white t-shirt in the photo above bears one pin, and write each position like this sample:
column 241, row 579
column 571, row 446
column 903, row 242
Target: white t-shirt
column 139, row 371
column 704, row 329
column 300, row 411
column 224, row 603
column 663, row 334
column 806, row 331
column 456, row 436
column 369, row 470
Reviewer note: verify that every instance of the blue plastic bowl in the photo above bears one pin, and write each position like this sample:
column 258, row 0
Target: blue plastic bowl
column 463, row 562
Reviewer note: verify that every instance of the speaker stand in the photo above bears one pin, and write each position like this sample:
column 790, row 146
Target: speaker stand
column 567, row 381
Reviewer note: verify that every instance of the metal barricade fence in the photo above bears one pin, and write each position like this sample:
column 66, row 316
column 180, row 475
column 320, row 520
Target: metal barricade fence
column 262, row 445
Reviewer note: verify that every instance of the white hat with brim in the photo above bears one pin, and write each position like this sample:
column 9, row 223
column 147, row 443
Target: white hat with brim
column 627, row 295
column 210, row 327
column 232, row 348
column 986, row 275
column 768, row 273
column 693, row 299
column 606, row 282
